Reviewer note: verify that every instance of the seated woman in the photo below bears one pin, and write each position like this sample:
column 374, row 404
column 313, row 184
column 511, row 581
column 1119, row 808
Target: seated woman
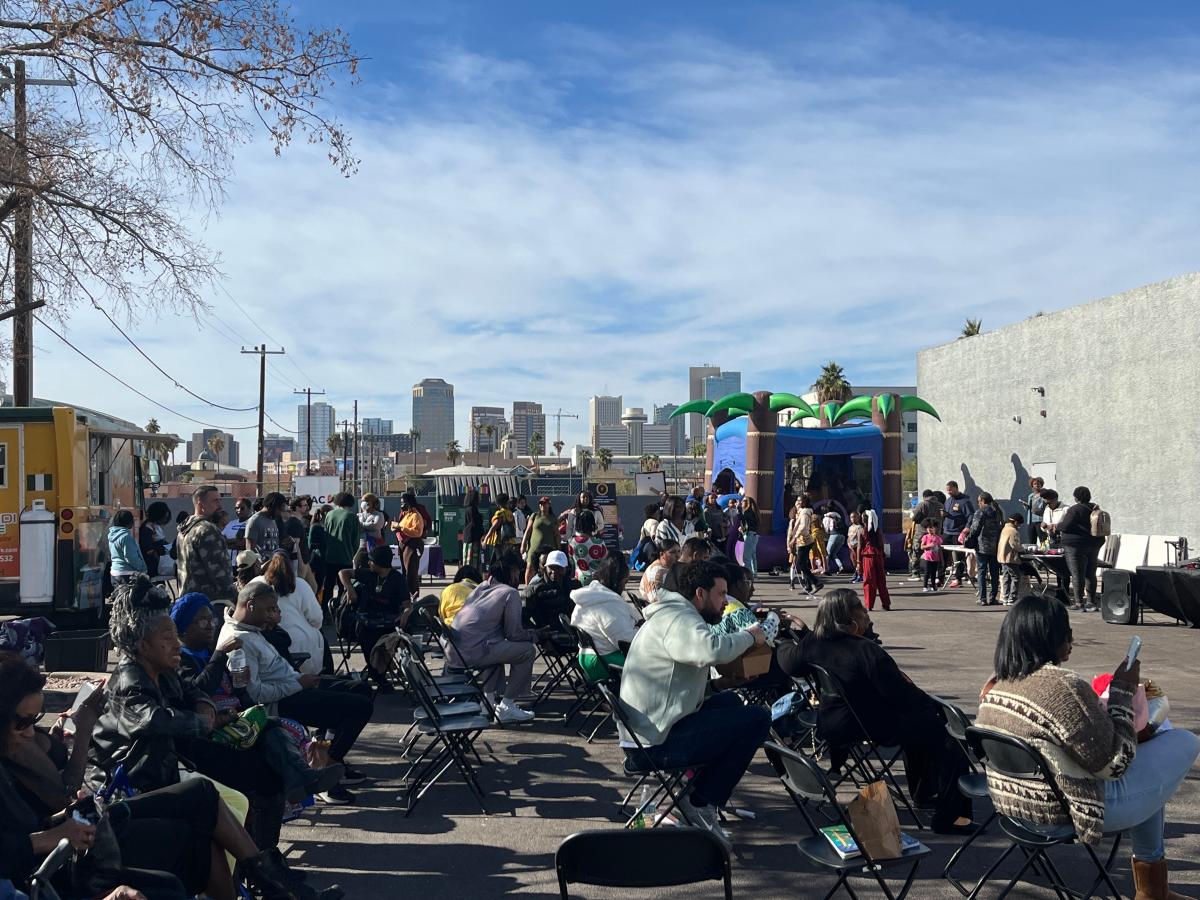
column 605, row 616
column 183, row 829
column 893, row 710
column 1111, row 783
column 154, row 720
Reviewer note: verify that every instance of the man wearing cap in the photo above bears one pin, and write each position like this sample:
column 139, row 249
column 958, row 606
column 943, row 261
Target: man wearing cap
column 549, row 594
column 379, row 596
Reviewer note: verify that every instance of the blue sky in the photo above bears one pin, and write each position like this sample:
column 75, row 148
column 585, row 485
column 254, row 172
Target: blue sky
column 559, row 198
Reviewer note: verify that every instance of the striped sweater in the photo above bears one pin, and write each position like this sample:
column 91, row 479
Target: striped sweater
column 1058, row 713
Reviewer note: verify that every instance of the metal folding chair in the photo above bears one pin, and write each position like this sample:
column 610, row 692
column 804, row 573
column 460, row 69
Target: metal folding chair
column 40, row 887
column 805, row 781
column 475, row 675
column 642, row 859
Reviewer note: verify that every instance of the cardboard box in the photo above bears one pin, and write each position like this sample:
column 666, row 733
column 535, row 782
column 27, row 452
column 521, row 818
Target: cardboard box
column 754, row 662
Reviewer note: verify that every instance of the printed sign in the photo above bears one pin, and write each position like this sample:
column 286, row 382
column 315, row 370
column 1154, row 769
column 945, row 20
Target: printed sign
column 10, row 546
column 604, row 495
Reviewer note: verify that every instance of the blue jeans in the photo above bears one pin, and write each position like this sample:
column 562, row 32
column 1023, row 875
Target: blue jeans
column 833, row 550
column 1134, row 804
column 750, row 553
column 722, row 735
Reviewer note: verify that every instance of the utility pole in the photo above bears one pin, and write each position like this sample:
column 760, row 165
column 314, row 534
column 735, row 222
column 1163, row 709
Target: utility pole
column 23, row 304
column 345, row 449
column 357, row 472
column 308, row 469
column 263, row 353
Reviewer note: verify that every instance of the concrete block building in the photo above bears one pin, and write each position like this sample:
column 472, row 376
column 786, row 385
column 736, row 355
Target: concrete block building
column 1103, row 395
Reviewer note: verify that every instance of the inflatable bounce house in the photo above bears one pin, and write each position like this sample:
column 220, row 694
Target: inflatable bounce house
column 851, row 459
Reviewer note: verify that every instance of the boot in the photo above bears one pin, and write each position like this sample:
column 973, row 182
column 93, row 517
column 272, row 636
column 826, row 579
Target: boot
column 269, row 879
column 1150, row 879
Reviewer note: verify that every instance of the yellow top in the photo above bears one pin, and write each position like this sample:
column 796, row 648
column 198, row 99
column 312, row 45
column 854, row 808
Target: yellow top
column 453, row 598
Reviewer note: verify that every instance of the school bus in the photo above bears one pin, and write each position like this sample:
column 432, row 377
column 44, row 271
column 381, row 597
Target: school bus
column 64, row 472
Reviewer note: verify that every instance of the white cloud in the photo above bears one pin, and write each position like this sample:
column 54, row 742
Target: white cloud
column 546, row 229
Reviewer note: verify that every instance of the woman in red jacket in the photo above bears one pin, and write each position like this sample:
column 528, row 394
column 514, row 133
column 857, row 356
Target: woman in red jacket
column 873, row 565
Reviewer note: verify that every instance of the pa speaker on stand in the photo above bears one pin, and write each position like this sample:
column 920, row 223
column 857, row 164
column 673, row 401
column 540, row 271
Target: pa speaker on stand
column 1118, row 598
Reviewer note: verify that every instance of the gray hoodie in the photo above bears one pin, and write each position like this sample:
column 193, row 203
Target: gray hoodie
column 271, row 676
column 666, row 670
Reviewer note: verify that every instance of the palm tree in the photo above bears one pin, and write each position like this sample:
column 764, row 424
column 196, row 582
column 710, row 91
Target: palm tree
column 698, row 449
column 536, row 446
column 971, row 328
column 558, row 448
column 216, row 444
column 655, row 462
column 477, row 430
column 490, row 431
column 585, row 461
column 415, row 434
column 453, row 452
column 335, row 444
column 604, row 458
column 831, row 384
column 644, row 462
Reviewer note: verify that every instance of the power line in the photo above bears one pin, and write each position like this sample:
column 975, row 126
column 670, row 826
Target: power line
column 269, row 336
column 224, row 330
column 173, row 380
column 126, row 384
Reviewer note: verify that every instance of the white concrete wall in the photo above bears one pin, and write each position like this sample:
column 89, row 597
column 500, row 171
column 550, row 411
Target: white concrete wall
column 1122, row 403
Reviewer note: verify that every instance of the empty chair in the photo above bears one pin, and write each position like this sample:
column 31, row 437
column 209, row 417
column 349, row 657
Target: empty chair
column 642, row 859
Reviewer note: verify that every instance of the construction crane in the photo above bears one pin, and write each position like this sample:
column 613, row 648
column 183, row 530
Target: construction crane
column 558, row 417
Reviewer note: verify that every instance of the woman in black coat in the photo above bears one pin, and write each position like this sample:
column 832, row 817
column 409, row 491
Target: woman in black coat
column 893, row 710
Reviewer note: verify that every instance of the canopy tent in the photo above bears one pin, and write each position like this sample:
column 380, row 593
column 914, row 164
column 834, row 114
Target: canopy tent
column 855, row 441
column 456, row 480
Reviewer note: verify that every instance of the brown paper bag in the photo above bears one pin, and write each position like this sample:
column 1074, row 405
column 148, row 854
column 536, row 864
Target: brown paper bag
column 874, row 818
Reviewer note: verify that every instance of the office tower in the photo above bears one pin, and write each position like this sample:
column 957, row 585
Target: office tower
column 373, row 426
column 527, row 420
column 718, row 386
column 481, row 418
column 324, row 424
column 634, row 420
column 656, row 439
column 199, row 443
column 696, row 422
column 678, row 425
column 614, row 438
column 433, row 413
column 603, row 411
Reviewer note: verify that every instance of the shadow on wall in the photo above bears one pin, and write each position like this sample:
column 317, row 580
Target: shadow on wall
column 1020, row 488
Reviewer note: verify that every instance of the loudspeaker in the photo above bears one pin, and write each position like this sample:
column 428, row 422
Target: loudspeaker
column 1118, row 600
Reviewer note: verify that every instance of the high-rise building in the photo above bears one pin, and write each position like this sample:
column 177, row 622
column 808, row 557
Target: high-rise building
column 433, row 413
column 527, row 420
column 614, row 438
column 200, row 442
column 634, row 420
column 656, row 439
column 324, row 423
column 678, row 437
column 603, row 411
column 718, row 386
column 482, row 418
column 374, row 426
column 696, row 422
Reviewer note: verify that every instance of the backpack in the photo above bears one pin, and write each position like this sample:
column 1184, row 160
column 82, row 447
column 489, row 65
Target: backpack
column 1101, row 523
column 508, row 530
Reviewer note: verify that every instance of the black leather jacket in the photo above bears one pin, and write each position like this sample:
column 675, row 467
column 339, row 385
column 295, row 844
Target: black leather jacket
column 140, row 726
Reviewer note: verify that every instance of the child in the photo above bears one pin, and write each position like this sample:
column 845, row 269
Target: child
column 1009, row 555
column 820, row 539
column 931, row 557
column 585, row 551
column 854, row 538
column 123, row 552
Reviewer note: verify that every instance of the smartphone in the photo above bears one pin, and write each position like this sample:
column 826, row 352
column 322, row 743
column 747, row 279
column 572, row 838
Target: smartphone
column 1135, row 647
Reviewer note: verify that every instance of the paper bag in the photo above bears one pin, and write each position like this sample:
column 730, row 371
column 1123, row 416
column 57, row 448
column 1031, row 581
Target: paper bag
column 873, row 816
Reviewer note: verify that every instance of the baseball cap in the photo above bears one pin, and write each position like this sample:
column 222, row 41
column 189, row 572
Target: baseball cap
column 543, row 499
column 556, row 558
column 248, row 558
column 382, row 555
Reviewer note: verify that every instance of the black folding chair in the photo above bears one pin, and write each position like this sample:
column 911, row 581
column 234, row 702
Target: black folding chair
column 642, row 859
column 40, row 887
column 869, row 761
column 452, row 736
column 1014, row 758
column 672, row 783
column 476, row 675
column 806, row 782
column 972, row 785
column 586, row 688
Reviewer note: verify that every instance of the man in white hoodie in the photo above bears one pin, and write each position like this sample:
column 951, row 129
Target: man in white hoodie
column 662, row 691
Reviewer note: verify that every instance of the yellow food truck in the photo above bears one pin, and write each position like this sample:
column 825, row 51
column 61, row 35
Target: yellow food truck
column 64, row 472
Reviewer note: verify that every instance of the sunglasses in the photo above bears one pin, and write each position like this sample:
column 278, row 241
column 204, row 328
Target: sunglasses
column 20, row 723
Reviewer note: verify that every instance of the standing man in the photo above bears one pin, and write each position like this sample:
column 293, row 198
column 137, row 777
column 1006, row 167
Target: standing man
column 959, row 510
column 1034, row 506
column 235, row 532
column 262, row 531
column 341, row 542
column 663, row 685
column 204, row 565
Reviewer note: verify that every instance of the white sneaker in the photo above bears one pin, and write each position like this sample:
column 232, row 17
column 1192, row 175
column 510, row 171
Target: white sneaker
column 705, row 817
column 511, row 714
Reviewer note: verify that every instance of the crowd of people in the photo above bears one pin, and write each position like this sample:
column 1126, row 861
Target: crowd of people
column 244, row 651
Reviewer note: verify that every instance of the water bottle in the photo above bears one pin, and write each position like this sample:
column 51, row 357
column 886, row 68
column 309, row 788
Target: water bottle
column 239, row 671
column 647, row 809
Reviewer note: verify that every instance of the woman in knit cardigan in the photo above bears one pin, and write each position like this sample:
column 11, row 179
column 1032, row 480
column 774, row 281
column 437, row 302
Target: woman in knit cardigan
column 1110, row 782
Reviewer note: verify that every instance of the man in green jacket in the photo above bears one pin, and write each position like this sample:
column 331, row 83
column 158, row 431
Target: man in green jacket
column 341, row 542
column 662, row 692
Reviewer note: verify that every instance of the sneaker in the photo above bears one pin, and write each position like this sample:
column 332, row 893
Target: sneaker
column 353, row 776
column 953, row 583
column 924, row 590
column 705, row 817
column 511, row 714
column 336, row 796
column 322, row 780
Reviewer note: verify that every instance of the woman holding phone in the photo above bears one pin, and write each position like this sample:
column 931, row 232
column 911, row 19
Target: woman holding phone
column 1110, row 782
